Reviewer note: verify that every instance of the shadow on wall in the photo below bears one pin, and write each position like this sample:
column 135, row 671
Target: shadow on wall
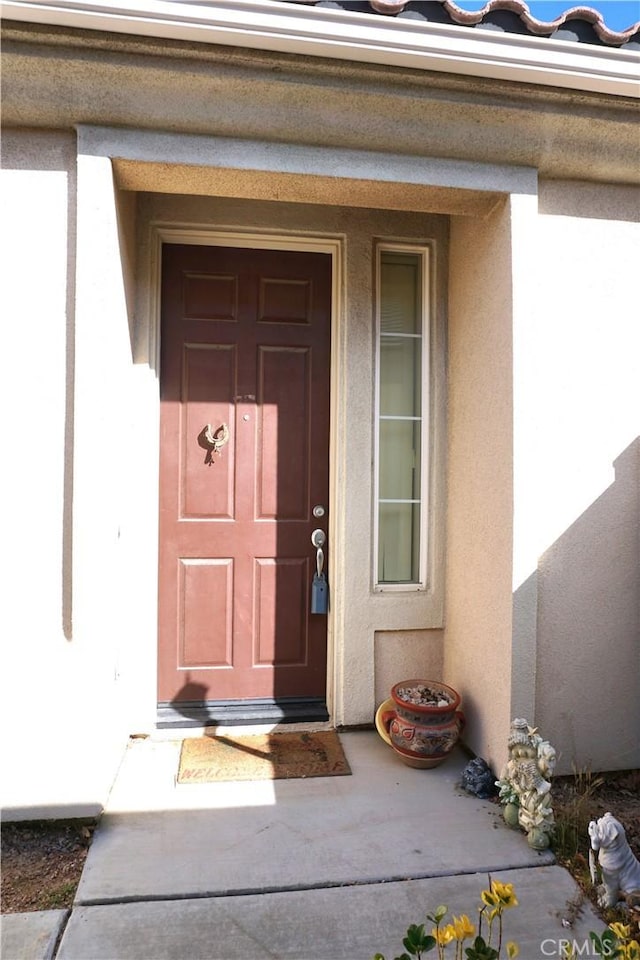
column 126, row 214
column 588, row 651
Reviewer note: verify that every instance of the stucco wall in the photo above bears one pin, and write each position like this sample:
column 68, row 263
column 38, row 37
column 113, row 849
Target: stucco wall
column 542, row 558
column 542, row 468
column 543, row 473
column 57, row 689
column 115, row 450
column 139, row 83
column 477, row 650
column 400, row 655
column 586, row 358
column 83, row 608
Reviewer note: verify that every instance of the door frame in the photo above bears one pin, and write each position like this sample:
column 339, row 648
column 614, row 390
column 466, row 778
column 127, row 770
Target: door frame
column 334, row 245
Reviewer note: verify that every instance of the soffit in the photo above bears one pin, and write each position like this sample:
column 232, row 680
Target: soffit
column 300, row 188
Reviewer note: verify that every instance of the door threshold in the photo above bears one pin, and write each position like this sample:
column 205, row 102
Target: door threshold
column 232, row 713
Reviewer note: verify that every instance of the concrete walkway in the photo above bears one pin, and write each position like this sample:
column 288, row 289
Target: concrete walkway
column 321, row 869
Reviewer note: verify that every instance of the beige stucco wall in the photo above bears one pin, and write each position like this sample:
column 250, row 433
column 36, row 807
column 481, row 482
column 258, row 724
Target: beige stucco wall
column 543, row 475
column 403, row 654
column 585, row 516
column 148, row 84
column 477, row 649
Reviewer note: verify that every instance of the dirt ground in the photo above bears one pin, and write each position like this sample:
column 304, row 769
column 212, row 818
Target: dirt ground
column 619, row 794
column 42, row 861
column 578, row 800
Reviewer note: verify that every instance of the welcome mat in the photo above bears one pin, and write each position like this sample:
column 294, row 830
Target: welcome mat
column 267, row 756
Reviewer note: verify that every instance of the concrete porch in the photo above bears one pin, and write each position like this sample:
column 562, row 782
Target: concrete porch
column 320, row 869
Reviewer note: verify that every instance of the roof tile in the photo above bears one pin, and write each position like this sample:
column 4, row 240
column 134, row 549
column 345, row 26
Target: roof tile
column 569, row 25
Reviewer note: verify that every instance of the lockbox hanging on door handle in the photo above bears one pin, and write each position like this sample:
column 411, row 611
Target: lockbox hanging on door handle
column 319, row 585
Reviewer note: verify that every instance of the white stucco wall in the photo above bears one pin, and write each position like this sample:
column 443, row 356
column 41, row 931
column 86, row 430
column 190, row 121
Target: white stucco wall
column 115, row 450
column 59, row 756
column 585, row 472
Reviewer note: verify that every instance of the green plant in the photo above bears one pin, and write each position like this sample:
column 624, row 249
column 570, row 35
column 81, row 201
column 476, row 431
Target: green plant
column 624, row 944
column 60, row 896
column 497, row 898
column 614, row 942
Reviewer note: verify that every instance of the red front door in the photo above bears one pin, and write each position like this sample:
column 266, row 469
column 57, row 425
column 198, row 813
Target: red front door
column 243, row 461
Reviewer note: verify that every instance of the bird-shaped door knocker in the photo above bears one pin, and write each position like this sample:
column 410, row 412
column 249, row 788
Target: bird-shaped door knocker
column 213, row 441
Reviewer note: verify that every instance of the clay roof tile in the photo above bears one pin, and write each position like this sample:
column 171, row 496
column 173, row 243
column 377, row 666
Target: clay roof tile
column 472, row 18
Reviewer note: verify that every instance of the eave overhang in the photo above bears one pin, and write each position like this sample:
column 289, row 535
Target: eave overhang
column 343, row 35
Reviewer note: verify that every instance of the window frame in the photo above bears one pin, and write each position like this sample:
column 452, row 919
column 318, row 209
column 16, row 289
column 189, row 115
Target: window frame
column 423, row 251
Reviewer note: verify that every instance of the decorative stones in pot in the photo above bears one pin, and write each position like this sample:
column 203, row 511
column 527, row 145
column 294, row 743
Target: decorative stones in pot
column 421, row 721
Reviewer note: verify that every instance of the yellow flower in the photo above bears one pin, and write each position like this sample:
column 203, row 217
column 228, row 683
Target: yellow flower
column 504, row 894
column 488, row 898
column 463, row 927
column 621, row 930
column 512, row 950
column 631, row 950
column 445, row 935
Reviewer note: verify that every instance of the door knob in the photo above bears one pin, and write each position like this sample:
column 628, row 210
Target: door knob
column 318, row 539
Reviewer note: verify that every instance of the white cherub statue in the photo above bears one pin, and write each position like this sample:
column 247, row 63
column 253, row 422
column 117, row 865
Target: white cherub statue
column 619, row 867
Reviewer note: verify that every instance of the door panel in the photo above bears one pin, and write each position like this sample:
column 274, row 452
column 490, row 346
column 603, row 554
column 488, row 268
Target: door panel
column 246, row 343
column 284, row 381
column 204, row 495
column 205, row 588
column 281, row 630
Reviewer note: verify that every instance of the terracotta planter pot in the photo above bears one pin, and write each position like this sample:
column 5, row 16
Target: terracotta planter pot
column 421, row 733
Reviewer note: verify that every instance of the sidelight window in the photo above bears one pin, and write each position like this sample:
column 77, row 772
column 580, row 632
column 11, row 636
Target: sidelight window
column 402, row 397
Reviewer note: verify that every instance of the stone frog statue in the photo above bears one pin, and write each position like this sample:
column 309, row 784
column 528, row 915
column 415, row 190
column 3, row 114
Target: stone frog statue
column 619, row 867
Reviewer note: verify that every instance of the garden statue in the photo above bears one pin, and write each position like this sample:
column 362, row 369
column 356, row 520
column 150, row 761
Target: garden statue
column 479, row 779
column 619, row 867
column 526, row 784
